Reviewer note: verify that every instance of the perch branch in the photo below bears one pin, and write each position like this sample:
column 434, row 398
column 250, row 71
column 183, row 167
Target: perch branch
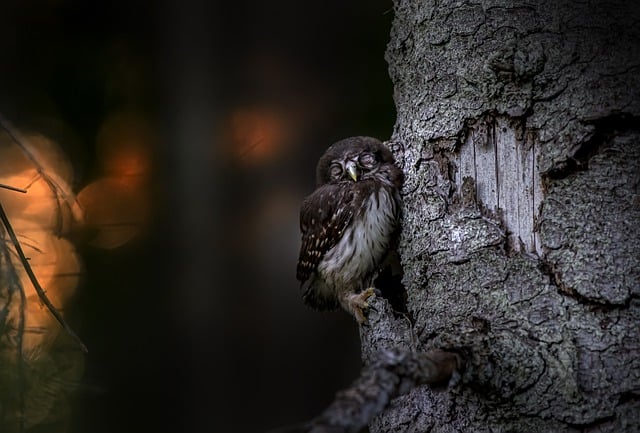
column 390, row 374
column 32, row 277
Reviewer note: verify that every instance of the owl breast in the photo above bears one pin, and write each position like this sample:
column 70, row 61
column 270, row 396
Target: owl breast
column 363, row 246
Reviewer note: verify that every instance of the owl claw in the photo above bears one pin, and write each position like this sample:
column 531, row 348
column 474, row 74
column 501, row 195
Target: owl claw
column 356, row 304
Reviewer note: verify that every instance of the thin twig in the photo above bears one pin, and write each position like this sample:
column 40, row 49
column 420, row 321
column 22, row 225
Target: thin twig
column 34, row 280
column 15, row 286
column 13, row 188
column 20, row 355
column 57, row 185
column 17, row 138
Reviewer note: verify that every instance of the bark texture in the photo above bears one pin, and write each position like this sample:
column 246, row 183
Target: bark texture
column 518, row 132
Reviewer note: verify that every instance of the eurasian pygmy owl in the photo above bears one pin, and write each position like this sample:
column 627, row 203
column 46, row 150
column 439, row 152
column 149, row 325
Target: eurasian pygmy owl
column 348, row 224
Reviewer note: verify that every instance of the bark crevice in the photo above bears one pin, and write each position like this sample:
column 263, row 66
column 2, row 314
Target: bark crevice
column 603, row 130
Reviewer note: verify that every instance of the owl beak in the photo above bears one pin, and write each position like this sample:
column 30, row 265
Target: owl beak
column 352, row 170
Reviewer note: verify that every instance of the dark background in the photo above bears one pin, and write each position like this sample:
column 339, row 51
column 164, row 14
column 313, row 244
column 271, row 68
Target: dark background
column 196, row 324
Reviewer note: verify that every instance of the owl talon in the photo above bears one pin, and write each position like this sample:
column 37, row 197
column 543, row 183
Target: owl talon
column 356, row 304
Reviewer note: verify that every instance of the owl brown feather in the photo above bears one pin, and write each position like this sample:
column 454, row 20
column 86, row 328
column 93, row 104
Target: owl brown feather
column 324, row 216
column 348, row 223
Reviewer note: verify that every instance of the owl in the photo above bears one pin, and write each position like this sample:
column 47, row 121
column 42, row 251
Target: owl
column 348, row 224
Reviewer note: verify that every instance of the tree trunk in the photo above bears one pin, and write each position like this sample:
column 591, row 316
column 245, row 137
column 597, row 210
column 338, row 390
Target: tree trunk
column 517, row 130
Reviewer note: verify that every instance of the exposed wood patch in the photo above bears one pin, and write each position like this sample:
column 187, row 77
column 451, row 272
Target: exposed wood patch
column 501, row 159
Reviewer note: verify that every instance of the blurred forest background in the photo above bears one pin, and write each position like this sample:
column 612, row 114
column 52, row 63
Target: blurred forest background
column 192, row 129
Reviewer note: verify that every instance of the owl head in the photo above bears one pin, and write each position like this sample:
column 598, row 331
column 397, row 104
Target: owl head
column 357, row 159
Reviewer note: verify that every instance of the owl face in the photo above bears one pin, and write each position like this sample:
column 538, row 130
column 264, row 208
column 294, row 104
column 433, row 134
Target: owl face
column 353, row 167
column 353, row 160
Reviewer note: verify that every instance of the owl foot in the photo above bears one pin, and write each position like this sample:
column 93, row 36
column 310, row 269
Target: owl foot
column 356, row 303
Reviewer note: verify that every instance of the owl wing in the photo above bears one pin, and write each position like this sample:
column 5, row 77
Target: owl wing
column 324, row 216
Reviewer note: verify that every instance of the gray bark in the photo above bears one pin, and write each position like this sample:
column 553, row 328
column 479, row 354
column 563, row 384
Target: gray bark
column 517, row 130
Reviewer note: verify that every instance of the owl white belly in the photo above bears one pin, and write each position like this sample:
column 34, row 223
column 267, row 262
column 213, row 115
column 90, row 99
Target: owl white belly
column 363, row 246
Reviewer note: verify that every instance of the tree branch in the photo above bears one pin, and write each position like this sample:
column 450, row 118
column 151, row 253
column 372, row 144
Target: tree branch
column 391, row 373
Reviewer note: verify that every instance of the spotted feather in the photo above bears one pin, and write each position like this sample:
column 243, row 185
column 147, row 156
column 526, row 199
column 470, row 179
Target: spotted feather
column 324, row 217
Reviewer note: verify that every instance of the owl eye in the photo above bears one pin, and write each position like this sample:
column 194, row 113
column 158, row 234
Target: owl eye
column 335, row 171
column 367, row 160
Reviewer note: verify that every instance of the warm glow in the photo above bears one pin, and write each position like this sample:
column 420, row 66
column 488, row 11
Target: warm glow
column 112, row 209
column 40, row 217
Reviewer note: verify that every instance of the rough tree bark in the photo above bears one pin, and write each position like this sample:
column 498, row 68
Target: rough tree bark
column 518, row 132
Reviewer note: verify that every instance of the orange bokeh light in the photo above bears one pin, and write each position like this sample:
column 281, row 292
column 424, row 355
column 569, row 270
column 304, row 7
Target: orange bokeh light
column 116, row 206
column 257, row 133
column 123, row 142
